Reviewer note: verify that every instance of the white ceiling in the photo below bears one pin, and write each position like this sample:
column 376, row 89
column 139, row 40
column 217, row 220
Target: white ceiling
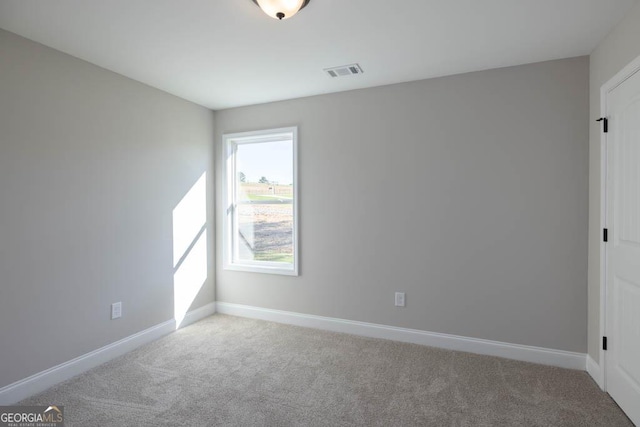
column 226, row 53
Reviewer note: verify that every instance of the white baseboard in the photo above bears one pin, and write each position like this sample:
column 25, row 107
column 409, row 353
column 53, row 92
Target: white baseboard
column 41, row 381
column 545, row 356
column 198, row 314
column 596, row 372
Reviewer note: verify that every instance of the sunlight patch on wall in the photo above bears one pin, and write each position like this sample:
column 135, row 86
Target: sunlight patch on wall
column 189, row 216
column 189, row 248
column 189, row 278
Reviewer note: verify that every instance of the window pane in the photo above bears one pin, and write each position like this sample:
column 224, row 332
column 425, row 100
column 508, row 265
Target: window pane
column 264, row 195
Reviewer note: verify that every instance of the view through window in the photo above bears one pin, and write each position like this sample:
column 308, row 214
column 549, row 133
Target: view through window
column 261, row 217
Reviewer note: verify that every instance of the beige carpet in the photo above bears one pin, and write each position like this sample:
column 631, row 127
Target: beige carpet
column 229, row 371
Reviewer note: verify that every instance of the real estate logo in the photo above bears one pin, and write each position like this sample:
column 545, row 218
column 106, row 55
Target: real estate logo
column 32, row 416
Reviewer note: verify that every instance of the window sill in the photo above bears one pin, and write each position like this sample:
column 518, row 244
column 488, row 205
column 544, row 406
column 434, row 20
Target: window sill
column 263, row 269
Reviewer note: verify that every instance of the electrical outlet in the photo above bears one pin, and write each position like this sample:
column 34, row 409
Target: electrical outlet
column 400, row 299
column 116, row 310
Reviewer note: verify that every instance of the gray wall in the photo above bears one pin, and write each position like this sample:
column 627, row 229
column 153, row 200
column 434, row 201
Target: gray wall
column 92, row 165
column 468, row 192
column 617, row 50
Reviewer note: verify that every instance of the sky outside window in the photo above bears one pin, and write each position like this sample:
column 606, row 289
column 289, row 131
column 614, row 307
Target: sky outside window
column 272, row 160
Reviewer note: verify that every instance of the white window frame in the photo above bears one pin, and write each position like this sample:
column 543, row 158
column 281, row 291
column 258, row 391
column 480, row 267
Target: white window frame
column 230, row 143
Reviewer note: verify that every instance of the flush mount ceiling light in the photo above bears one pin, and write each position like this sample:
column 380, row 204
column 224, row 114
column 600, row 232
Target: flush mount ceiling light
column 281, row 9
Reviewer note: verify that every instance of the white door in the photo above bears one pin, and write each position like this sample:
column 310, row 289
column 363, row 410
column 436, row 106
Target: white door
column 623, row 248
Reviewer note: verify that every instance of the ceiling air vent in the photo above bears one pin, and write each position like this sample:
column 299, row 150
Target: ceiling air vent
column 344, row 70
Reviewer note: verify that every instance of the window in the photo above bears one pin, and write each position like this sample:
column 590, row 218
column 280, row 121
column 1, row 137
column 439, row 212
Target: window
column 261, row 215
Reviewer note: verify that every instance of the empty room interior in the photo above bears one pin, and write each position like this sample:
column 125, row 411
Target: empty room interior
column 319, row 213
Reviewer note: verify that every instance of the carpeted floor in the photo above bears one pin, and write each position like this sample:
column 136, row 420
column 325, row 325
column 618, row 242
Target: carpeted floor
column 229, row 371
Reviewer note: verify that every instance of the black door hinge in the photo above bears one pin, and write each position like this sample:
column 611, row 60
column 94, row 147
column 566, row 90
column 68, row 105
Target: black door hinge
column 605, row 127
column 604, row 343
column 605, row 234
